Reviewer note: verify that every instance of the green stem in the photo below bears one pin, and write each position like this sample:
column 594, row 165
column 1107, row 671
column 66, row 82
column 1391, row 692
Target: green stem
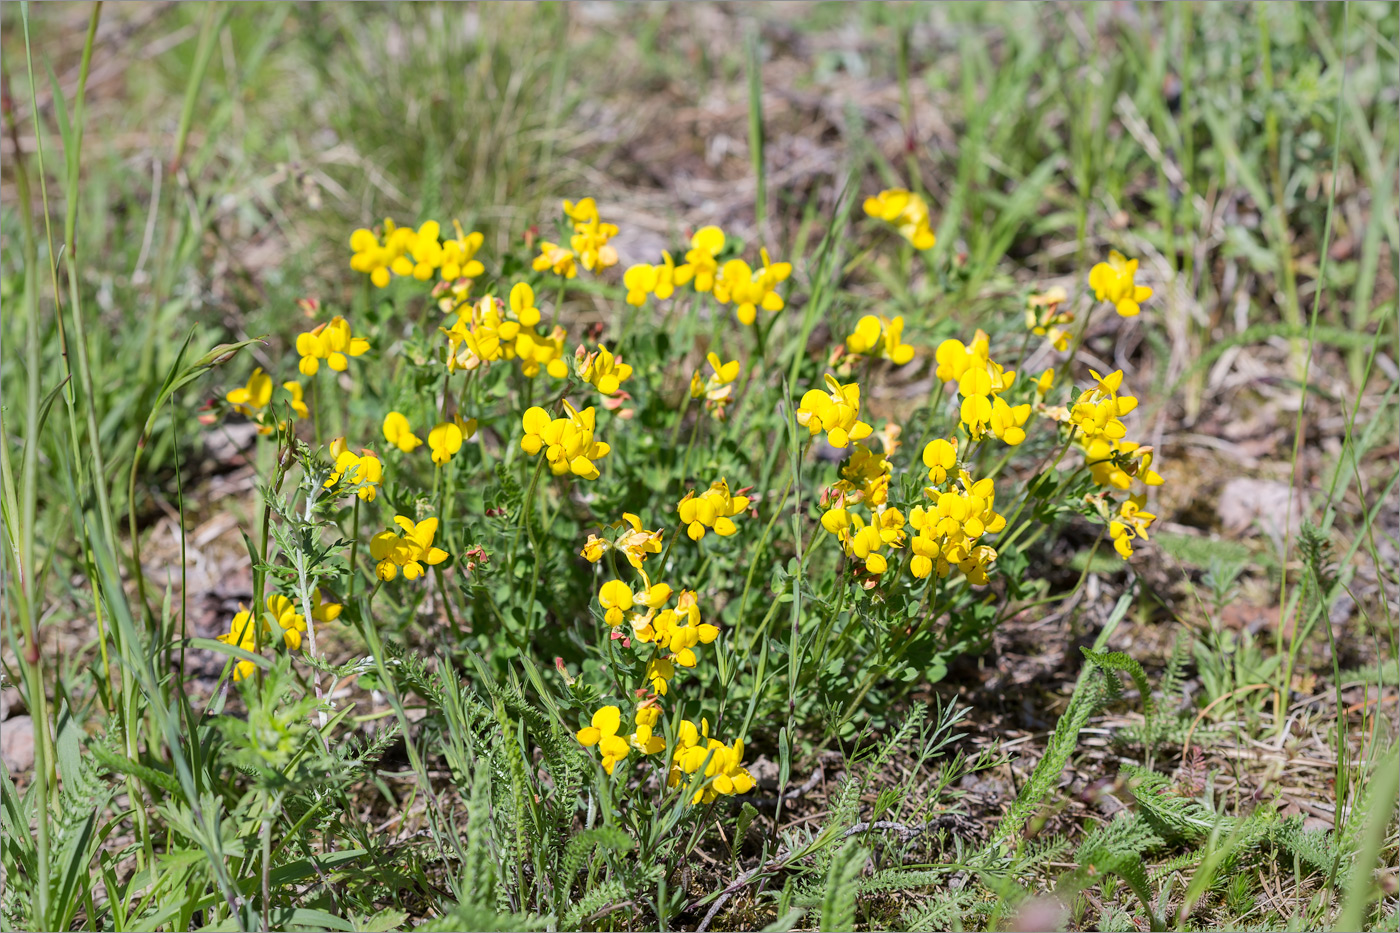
column 527, row 513
column 354, row 550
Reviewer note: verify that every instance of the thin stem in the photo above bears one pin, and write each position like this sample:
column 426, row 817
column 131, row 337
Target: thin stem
column 354, row 549
column 267, row 862
column 527, row 513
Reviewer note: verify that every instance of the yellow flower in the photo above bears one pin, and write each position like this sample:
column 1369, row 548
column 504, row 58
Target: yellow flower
column 252, row 398
column 522, row 304
column 1132, row 522
column 241, row 635
column 1007, row 421
column 1045, row 382
column 880, row 336
column 617, row 599
column 601, row 369
column 705, row 245
column 1116, row 462
column 865, row 478
column 907, row 212
column 1043, row 315
column 590, row 243
column 298, row 395
column 374, row 258
column 425, row 253
column 836, row 411
column 644, row 279
column 635, row 542
column 1097, row 413
column 398, row 433
column 863, row 541
column 946, row 534
column 739, row 284
column 332, row 342
column 408, row 551
column 940, row 456
column 602, row 732
column 535, row 352
column 567, row 442
column 1113, row 281
column 726, row 774
column 362, row 473
column 291, row 622
column 718, row 389
column 446, row 438
column 556, row 259
column 458, row 260
column 714, row 508
column 659, row 673
column 321, row 610
column 581, row 213
column 679, row 630
column 481, row 334
column 980, row 379
column 643, row 740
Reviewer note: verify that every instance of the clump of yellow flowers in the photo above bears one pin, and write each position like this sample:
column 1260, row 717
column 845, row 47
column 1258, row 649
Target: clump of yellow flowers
column 981, row 383
column 417, row 254
column 881, row 337
column 835, row 411
column 907, row 212
column 409, row 551
column 735, row 282
column 332, row 342
column 665, row 635
column 588, row 246
column 1115, row 281
column 567, row 442
column 884, row 527
column 714, row 509
column 290, row 625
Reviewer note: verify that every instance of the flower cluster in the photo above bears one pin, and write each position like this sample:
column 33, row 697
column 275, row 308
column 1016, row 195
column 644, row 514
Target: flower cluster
column 406, row 552
column 666, row 636
column 719, row 387
column 602, row 732
column 290, row 626
column 588, row 246
column 1115, row 282
column 981, row 382
column 865, row 481
column 362, row 472
column 835, row 411
column 722, row 763
column 660, row 280
column 947, row 533
column 714, row 509
column 250, row 400
column 601, row 369
column 735, row 282
column 907, row 212
column 880, row 337
column 750, row 289
column 567, row 442
column 1113, row 460
column 331, row 341
column 417, row 254
column 634, row 542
